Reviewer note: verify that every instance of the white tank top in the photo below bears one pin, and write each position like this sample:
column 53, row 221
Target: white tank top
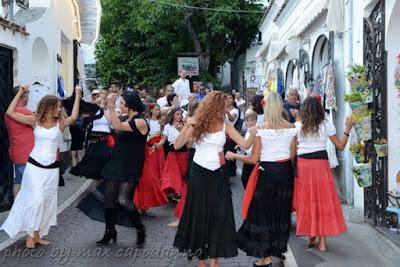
column 208, row 149
column 47, row 142
column 101, row 125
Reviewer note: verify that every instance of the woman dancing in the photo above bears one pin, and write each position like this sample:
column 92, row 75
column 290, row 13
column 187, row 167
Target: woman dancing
column 265, row 231
column 175, row 164
column 124, row 168
column 148, row 192
column 35, row 208
column 191, row 150
column 318, row 209
column 98, row 151
column 207, row 226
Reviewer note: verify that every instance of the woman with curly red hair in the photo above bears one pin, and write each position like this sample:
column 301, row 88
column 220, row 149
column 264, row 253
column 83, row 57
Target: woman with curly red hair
column 207, row 226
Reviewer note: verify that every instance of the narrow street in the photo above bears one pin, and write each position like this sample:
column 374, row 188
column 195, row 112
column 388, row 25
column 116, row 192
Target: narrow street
column 73, row 244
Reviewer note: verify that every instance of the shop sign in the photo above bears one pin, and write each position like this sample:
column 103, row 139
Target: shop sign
column 190, row 64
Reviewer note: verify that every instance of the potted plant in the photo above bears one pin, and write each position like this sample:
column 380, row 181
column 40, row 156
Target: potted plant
column 357, row 76
column 362, row 174
column 381, row 147
column 365, row 93
column 363, row 127
column 354, row 99
column 357, row 150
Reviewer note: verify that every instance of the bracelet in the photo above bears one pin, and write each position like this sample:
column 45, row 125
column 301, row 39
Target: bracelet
column 346, row 134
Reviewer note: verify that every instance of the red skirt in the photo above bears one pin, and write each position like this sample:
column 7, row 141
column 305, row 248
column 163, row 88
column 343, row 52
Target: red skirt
column 148, row 192
column 174, row 171
column 317, row 204
column 181, row 204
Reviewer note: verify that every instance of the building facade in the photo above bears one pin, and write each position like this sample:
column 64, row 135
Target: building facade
column 310, row 45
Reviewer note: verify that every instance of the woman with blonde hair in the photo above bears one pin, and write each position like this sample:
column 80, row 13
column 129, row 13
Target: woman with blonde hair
column 35, row 208
column 207, row 226
column 268, row 197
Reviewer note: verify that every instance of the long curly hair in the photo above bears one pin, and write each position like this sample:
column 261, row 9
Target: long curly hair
column 210, row 112
column 47, row 104
column 312, row 115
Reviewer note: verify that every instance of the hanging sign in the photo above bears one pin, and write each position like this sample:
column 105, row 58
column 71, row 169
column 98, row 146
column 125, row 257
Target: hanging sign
column 190, row 64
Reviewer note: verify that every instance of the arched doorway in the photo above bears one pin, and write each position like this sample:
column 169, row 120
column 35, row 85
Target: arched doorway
column 40, row 73
column 291, row 75
column 320, row 62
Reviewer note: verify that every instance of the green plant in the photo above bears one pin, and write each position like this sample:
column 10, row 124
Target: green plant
column 353, row 97
column 360, row 115
column 356, row 148
column 356, row 68
column 380, row 141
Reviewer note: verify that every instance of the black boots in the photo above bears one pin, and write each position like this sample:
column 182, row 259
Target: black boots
column 141, row 235
column 140, row 229
column 111, row 233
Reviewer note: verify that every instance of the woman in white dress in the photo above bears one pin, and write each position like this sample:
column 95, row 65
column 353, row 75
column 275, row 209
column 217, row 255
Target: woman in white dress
column 35, row 208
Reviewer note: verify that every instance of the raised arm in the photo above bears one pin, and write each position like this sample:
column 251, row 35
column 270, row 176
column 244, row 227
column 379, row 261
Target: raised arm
column 185, row 134
column 75, row 110
column 252, row 159
column 244, row 143
column 25, row 119
column 340, row 143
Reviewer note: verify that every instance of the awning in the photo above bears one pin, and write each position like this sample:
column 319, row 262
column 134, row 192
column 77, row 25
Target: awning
column 310, row 14
column 335, row 17
column 275, row 49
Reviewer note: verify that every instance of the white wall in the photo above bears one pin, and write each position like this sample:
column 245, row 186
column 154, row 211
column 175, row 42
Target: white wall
column 393, row 100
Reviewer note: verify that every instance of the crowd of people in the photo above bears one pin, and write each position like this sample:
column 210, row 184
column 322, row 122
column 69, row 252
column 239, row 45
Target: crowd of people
column 183, row 148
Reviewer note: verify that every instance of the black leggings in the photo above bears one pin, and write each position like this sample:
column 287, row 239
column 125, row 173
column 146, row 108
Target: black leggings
column 121, row 194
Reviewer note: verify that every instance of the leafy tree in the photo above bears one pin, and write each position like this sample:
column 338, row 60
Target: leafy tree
column 140, row 39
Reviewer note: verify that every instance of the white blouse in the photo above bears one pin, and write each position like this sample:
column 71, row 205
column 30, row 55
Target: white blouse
column 275, row 143
column 155, row 127
column 171, row 132
column 315, row 143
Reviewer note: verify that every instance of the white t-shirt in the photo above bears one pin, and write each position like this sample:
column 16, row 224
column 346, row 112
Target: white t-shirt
column 101, row 124
column 275, row 143
column 171, row 132
column 233, row 112
column 248, row 151
column 162, row 101
column 260, row 119
column 182, row 90
column 241, row 105
column 311, row 144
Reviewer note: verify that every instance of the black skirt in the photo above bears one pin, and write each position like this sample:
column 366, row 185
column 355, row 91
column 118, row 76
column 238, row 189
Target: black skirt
column 77, row 138
column 266, row 230
column 191, row 152
column 96, row 156
column 207, row 226
column 247, row 169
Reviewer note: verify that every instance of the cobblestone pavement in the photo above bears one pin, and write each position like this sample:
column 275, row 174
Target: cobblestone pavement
column 73, row 242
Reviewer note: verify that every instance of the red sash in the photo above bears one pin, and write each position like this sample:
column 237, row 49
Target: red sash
column 250, row 188
column 249, row 192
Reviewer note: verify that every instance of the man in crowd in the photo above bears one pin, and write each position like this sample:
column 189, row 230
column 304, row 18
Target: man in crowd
column 115, row 88
column 292, row 105
column 162, row 101
column 192, row 99
column 201, row 94
column 21, row 140
column 182, row 88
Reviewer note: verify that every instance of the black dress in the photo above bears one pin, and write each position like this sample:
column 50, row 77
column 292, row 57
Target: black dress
column 266, row 230
column 207, row 226
column 96, row 156
column 127, row 156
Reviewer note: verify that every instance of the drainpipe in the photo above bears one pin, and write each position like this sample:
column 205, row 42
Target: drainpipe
column 348, row 60
column 11, row 10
